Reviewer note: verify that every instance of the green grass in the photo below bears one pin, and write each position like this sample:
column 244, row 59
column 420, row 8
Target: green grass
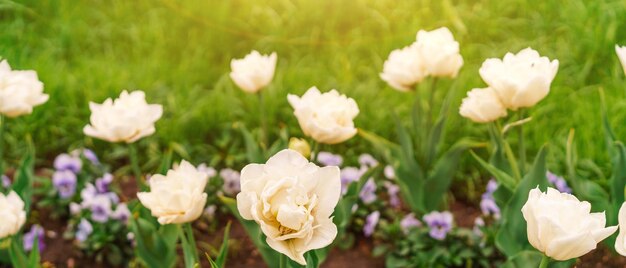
column 179, row 53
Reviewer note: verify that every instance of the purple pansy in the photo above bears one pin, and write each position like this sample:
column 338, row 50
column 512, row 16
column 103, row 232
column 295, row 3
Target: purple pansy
column 489, row 207
column 329, row 159
column 492, row 185
column 36, row 232
column 558, row 182
column 371, row 221
column 102, row 184
column 440, row 223
column 393, row 191
column 64, row 181
column 5, row 181
column 367, row 160
column 91, row 156
column 368, row 192
column 210, row 171
column 350, row 175
column 100, row 207
column 84, row 230
column 121, row 213
column 408, row 222
column 68, row 162
column 231, row 181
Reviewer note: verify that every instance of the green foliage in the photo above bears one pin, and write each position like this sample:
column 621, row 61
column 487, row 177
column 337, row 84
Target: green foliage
column 156, row 244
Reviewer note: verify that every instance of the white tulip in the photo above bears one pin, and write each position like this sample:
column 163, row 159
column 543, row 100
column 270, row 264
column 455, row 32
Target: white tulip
column 482, row 105
column 439, row 52
column 561, row 226
column 404, row 68
column 254, row 71
column 328, row 117
column 12, row 214
column 522, row 79
column 126, row 119
column 621, row 54
column 20, row 91
column 620, row 243
column 178, row 197
column 292, row 200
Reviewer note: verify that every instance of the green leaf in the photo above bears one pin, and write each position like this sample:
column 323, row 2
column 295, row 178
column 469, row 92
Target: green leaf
column 221, row 257
column 501, row 177
column 311, row 259
column 23, row 184
column 166, row 162
column 512, row 238
column 435, row 136
column 188, row 249
column 16, row 253
column 34, row 259
column 532, row 258
column 253, row 151
column 155, row 248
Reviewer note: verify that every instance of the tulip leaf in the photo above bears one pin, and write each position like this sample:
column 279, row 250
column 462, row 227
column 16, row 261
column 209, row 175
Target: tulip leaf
column 221, row 257
column 155, row 248
column 16, row 252
column 609, row 135
column 501, row 177
column 23, row 184
column 437, row 133
column 532, row 258
column 253, row 150
column 618, row 180
column 512, row 236
column 407, row 156
column 442, row 174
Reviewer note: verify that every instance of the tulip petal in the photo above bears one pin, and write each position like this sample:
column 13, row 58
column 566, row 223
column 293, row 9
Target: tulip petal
column 572, row 246
column 288, row 249
column 620, row 243
column 328, row 190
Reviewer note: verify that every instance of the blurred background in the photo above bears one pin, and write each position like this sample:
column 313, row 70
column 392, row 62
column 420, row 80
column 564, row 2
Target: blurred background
column 179, row 52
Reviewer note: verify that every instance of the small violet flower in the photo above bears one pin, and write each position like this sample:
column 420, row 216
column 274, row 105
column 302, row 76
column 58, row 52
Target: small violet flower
column 68, row 162
column 121, row 213
column 371, row 221
column 91, row 156
column 329, row 159
column 231, row 181
column 350, row 175
column 206, row 169
column 5, row 181
column 100, row 208
column 367, row 160
column 393, row 191
column 102, row 184
column 408, row 222
column 64, row 181
column 489, row 207
column 84, row 230
column 36, row 232
column 368, row 192
column 440, row 223
column 558, row 182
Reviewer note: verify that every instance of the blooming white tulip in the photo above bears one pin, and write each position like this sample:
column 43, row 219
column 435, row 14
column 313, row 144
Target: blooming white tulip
column 561, row 227
column 522, row 79
column 128, row 118
column 178, row 197
column 404, row 68
column 12, row 214
column 621, row 54
column 439, row 52
column 328, row 117
column 292, row 200
column 620, row 243
column 254, row 71
column 482, row 105
column 20, row 91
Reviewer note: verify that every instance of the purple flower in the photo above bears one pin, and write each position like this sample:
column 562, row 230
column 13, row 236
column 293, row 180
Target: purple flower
column 370, row 223
column 6, row 182
column 329, row 159
column 206, row 169
column 350, row 175
column 75, row 208
column 64, row 181
column 102, row 184
column 368, row 192
column 36, row 232
column 91, row 156
column 121, row 213
column 100, row 208
column 231, row 181
column 84, row 230
column 390, row 173
column 489, row 207
column 393, row 191
column 408, row 222
column 558, row 182
column 88, row 193
column 367, row 160
column 478, row 224
column 440, row 223
column 492, row 185
column 68, row 162
column 131, row 239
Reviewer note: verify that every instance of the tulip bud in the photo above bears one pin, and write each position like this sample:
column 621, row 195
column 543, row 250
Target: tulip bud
column 300, row 146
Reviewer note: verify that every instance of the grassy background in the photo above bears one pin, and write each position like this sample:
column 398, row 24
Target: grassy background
column 179, row 53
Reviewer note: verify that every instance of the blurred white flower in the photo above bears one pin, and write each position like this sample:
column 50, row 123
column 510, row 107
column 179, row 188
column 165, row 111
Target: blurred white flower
column 254, row 71
column 561, row 226
column 621, row 54
column 328, row 117
column 482, row 105
column 439, row 52
column 292, row 200
column 20, row 91
column 178, row 197
column 12, row 214
column 128, row 118
column 620, row 243
column 520, row 80
column 389, row 172
column 404, row 68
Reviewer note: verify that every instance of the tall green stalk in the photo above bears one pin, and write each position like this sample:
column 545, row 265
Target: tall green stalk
column 431, row 103
column 315, row 151
column 522, row 150
column 283, row 261
column 134, row 162
column 545, row 260
column 264, row 135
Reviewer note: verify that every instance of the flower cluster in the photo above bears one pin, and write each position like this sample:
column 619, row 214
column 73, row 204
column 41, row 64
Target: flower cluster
column 64, row 178
column 488, row 204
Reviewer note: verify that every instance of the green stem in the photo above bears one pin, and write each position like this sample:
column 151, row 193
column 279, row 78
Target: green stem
column 431, row 103
column 134, row 162
column 2, row 127
column 264, row 138
column 190, row 238
column 545, row 260
column 315, row 151
column 283, row 261
column 522, row 149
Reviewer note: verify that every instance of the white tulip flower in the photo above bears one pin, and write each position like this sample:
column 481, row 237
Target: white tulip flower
column 561, row 226
column 404, row 68
column 254, row 71
column 439, row 52
column 178, row 197
column 12, row 214
column 326, row 117
column 292, row 200
column 482, row 105
column 621, row 54
column 126, row 119
column 20, row 91
column 520, row 80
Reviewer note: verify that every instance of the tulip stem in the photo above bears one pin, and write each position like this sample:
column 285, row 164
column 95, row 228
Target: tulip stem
column 134, row 162
column 283, row 261
column 264, row 138
column 190, row 238
column 522, row 150
column 315, row 151
column 431, row 103
column 545, row 260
